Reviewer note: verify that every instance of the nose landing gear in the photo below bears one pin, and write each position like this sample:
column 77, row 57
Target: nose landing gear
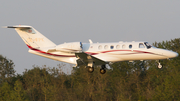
column 159, row 65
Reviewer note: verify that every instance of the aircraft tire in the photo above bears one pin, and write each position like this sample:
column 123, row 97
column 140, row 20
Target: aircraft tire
column 102, row 71
column 90, row 69
column 159, row 66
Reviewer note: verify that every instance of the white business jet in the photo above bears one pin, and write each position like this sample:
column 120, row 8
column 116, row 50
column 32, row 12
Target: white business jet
column 90, row 54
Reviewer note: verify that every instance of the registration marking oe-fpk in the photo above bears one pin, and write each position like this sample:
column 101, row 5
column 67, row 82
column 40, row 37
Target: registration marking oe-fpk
column 35, row 40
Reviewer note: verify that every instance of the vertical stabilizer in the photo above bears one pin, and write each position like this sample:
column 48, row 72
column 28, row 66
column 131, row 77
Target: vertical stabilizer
column 32, row 37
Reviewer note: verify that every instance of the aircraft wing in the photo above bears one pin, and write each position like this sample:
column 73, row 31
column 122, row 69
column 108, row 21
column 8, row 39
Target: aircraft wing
column 85, row 58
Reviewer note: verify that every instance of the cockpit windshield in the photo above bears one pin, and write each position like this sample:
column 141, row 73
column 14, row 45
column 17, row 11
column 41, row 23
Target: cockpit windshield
column 147, row 45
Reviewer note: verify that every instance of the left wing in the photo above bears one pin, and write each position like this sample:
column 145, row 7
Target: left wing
column 86, row 59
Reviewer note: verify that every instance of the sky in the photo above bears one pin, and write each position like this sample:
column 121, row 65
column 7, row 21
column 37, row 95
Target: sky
column 80, row 20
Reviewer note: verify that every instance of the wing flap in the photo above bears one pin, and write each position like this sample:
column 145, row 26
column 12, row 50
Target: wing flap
column 86, row 58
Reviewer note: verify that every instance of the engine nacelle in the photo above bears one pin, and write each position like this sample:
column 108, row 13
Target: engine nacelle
column 72, row 47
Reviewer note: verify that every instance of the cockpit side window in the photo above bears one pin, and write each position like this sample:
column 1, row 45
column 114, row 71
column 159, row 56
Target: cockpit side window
column 147, row 45
column 141, row 45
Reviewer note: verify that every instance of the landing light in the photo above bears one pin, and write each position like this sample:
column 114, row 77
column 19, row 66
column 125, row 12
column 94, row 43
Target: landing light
column 71, row 59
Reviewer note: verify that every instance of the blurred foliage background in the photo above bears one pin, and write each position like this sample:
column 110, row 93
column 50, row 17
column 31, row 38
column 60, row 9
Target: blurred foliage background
column 126, row 81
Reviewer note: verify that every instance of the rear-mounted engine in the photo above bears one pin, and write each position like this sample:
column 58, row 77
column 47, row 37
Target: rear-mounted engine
column 73, row 47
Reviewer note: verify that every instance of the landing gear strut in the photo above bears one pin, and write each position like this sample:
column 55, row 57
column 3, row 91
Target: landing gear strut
column 103, row 70
column 159, row 64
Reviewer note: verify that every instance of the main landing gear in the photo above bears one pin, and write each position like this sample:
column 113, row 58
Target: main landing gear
column 90, row 69
column 102, row 70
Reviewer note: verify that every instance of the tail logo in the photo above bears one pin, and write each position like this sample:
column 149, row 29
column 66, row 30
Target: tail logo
column 30, row 31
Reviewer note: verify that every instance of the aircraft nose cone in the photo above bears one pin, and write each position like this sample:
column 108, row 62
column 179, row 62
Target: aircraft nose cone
column 172, row 54
column 176, row 54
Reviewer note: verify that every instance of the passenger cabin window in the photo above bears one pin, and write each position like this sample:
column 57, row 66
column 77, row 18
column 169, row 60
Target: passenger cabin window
column 106, row 47
column 141, row 45
column 112, row 47
column 123, row 46
column 100, row 47
column 118, row 46
column 130, row 46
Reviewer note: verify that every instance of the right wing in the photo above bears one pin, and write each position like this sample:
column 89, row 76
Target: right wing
column 85, row 59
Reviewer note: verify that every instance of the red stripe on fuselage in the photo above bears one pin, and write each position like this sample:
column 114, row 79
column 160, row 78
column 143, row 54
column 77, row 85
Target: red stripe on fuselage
column 91, row 53
column 137, row 51
column 37, row 50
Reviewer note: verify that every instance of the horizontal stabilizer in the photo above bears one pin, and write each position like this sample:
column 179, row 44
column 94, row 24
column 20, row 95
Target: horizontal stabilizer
column 20, row 26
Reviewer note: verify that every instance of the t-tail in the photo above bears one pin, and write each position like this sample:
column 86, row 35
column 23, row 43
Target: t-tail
column 32, row 38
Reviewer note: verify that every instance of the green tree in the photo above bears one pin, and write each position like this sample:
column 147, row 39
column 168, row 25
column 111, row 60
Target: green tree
column 19, row 93
column 6, row 69
column 6, row 92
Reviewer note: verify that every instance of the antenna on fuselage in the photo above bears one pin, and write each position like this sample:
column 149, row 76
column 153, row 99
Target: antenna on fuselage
column 90, row 41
